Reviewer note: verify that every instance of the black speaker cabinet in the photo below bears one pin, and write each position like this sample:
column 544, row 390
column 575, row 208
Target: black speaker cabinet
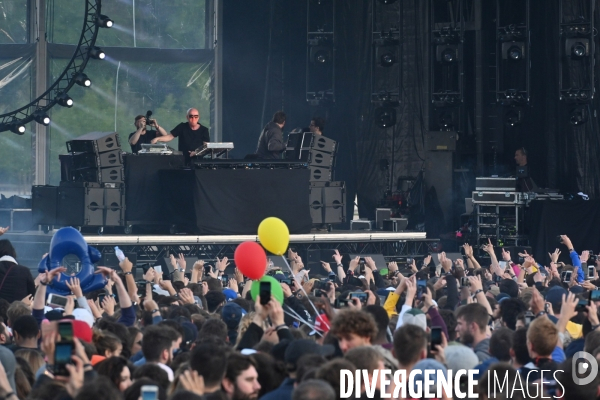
column 44, row 204
column 94, row 142
column 99, row 175
column 114, row 202
column 323, row 143
column 112, row 158
column 85, row 206
column 80, row 206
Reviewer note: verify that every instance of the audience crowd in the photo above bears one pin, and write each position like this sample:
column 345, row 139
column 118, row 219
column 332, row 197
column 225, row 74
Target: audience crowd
column 200, row 335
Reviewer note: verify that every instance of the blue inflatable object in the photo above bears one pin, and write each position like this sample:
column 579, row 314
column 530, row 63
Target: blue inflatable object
column 70, row 241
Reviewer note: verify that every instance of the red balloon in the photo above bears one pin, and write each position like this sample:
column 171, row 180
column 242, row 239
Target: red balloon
column 251, row 259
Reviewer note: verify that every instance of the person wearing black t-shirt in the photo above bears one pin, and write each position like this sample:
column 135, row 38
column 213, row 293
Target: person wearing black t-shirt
column 191, row 135
column 143, row 136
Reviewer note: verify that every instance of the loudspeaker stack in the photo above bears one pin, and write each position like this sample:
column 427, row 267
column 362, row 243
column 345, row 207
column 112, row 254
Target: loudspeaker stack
column 327, row 197
column 92, row 191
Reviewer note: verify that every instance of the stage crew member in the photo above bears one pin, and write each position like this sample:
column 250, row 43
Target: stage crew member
column 317, row 125
column 143, row 136
column 191, row 135
column 270, row 144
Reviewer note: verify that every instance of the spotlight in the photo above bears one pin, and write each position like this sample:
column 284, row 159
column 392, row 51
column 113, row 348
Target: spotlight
column 513, row 117
column 17, row 128
column 82, row 79
column 320, row 54
column 104, row 22
column 513, row 51
column 64, row 100
column 387, row 59
column 446, row 121
column 96, row 52
column 446, row 54
column 41, row 117
column 385, row 116
column 387, row 1
column 577, row 48
column 579, row 116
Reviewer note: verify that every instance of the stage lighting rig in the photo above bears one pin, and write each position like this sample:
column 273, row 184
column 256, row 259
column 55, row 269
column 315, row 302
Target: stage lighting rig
column 385, row 116
column 513, row 51
column 320, row 51
column 513, row 117
column 446, row 54
column 96, row 53
column 41, row 117
column 577, row 48
column 578, row 116
column 64, row 100
column 104, row 22
column 387, row 1
column 82, row 79
column 17, row 128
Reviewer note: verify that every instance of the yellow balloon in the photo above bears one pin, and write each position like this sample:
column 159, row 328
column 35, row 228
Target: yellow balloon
column 274, row 235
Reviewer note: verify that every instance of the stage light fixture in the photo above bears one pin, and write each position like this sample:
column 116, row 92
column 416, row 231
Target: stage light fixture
column 64, row 100
column 447, row 54
column 82, row 79
column 387, row 1
column 577, row 48
column 41, row 118
column 104, row 22
column 387, row 59
column 18, row 128
column 513, row 117
column 513, row 51
column 320, row 55
column 579, row 116
column 96, row 53
column 385, row 116
column 446, row 121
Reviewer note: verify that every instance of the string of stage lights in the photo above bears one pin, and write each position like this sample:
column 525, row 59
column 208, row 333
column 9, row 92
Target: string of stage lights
column 37, row 110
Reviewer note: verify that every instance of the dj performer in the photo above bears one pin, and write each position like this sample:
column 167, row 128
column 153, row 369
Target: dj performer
column 191, row 135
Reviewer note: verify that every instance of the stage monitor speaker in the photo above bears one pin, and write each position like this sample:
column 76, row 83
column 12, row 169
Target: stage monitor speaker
column 394, row 224
column 362, row 225
column 44, row 205
column 94, row 142
column 382, row 214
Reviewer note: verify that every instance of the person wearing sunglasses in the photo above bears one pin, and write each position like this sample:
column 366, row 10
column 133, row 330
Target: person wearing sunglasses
column 192, row 135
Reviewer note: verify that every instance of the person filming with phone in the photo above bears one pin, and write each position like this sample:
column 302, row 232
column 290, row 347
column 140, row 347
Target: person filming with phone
column 146, row 130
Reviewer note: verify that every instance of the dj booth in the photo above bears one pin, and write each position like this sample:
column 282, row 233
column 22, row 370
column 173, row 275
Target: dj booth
column 218, row 197
column 103, row 187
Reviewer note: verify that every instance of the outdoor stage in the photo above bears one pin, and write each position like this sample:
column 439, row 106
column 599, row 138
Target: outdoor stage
column 394, row 246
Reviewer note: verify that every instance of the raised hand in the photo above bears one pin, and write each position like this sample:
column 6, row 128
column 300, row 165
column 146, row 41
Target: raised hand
column 222, row 263
column 182, row 262
column 186, row 296
column 505, row 255
column 74, row 285
column 192, row 382
column 554, row 256
column 108, row 305
column 4, row 230
column 337, row 257
column 585, row 256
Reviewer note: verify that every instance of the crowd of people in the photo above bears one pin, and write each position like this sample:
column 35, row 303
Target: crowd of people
column 209, row 335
